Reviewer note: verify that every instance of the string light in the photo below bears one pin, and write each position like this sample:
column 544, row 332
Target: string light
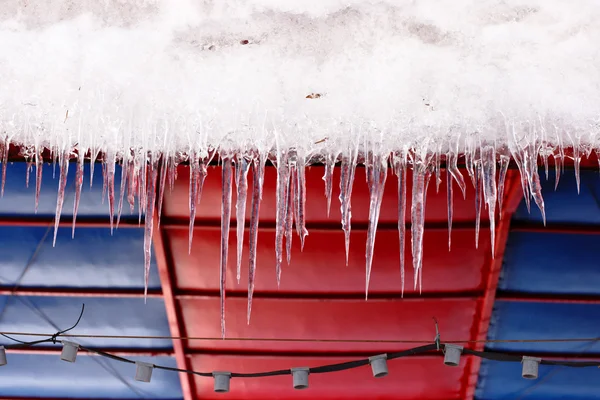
column 530, row 367
column 300, row 377
column 379, row 365
column 69, row 351
column 143, row 371
column 2, row 356
column 222, row 379
column 452, row 354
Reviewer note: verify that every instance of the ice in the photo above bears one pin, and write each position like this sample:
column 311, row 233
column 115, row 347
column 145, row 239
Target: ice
column 39, row 167
column 150, row 198
column 227, row 159
column 504, row 163
column 289, row 218
column 164, row 168
column 400, row 169
column 328, row 178
column 348, row 169
column 242, row 167
column 110, row 162
column 258, row 170
column 300, row 199
column 477, row 183
column 421, row 175
column 62, row 184
column 5, row 149
column 78, row 188
column 197, row 175
column 283, row 179
column 123, row 189
column 377, row 171
column 488, row 168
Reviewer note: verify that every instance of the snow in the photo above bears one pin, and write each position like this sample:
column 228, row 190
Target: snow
column 407, row 83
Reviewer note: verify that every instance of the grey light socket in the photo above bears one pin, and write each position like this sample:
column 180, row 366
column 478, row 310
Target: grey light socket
column 2, row 356
column 143, row 371
column 69, row 351
column 379, row 365
column 452, row 354
column 300, row 377
column 530, row 367
column 222, row 381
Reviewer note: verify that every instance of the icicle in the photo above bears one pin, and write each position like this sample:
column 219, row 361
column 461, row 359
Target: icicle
column 400, row 170
column 241, row 183
column 164, row 167
column 477, row 178
column 557, row 171
column 452, row 165
column 533, row 178
column 258, row 170
column 29, row 167
column 198, row 173
column 419, row 194
column 172, row 173
column 438, row 173
column 104, row 178
column 225, row 222
column 283, row 177
column 5, row 150
column 450, row 201
column 94, row 153
column 504, row 163
column 300, row 200
column 133, row 182
column 379, row 176
column 78, row 187
column 328, row 178
column 109, row 172
column 149, row 220
column 488, row 157
column 142, row 178
column 576, row 166
column 124, row 173
column 289, row 218
column 62, row 183
column 348, row 169
column 39, row 166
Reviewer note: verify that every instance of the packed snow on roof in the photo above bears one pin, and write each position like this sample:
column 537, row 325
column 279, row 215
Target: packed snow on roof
column 391, row 83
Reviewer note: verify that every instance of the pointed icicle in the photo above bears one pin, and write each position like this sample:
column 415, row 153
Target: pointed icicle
column 504, row 163
column 400, row 170
column 198, row 173
column 438, row 171
column 39, row 166
column 62, row 184
column 94, row 153
column 300, row 201
column 477, row 178
column 557, row 171
column 29, row 168
column 225, row 222
column 104, row 177
column 5, row 150
column 576, row 166
column 164, row 167
column 172, row 173
column 78, row 187
column 452, row 160
column 242, row 167
column 328, row 178
column 132, row 186
column 348, row 169
column 488, row 156
column 518, row 157
column 258, row 170
column 142, row 184
column 289, row 218
column 283, row 177
column 419, row 194
column 122, row 189
column 450, row 201
column 535, row 186
column 109, row 170
column 149, row 220
column 379, row 175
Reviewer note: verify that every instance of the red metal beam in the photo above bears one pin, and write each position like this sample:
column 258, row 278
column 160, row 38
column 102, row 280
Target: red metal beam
column 513, row 196
column 173, row 315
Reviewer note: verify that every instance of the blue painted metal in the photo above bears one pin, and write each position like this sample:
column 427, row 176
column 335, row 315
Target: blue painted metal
column 20, row 200
column 33, row 375
column 564, row 205
column 93, row 259
column 503, row 381
column 551, row 263
column 103, row 316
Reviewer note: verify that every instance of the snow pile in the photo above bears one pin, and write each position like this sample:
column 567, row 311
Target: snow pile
column 152, row 83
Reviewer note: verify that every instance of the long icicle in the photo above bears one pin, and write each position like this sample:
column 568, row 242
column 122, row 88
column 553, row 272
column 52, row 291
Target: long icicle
column 225, row 222
column 420, row 172
column 348, row 170
column 328, row 179
column 39, row 167
column 504, row 163
column 198, row 173
column 488, row 156
column 379, row 176
column 401, row 170
column 300, row 200
column 289, row 218
column 450, row 201
column 283, row 173
column 477, row 183
column 5, row 151
column 110, row 161
column 258, row 170
column 78, row 187
column 62, row 184
column 164, row 168
column 242, row 167
column 123, row 188
column 149, row 219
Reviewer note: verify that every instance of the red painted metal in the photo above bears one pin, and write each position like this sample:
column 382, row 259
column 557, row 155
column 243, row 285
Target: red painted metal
column 411, row 378
column 380, row 319
column 176, row 204
column 321, row 271
column 166, row 280
column 512, row 199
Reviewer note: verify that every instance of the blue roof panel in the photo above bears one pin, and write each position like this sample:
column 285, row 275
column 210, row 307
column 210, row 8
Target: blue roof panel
column 20, row 200
column 103, row 316
column 537, row 262
column 35, row 375
column 545, row 320
column 564, row 205
column 93, row 259
column 503, row 381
